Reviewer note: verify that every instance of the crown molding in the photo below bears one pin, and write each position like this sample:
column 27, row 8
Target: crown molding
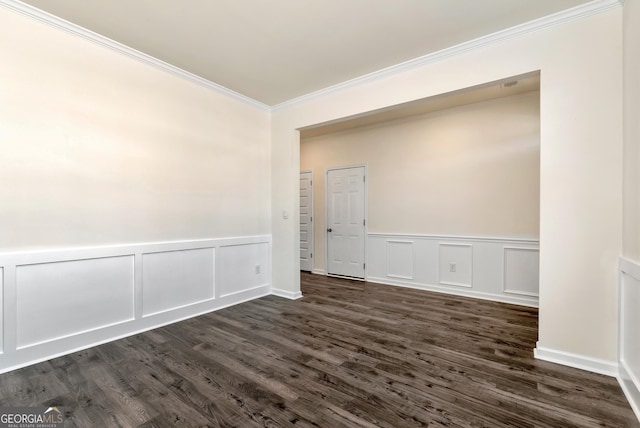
column 59, row 23
column 582, row 11
column 588, row 9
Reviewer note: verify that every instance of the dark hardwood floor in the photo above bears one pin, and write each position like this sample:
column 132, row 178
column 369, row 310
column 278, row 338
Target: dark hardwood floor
column 348, row 354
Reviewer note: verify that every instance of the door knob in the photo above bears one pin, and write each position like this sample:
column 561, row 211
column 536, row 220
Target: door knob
column 329, row 230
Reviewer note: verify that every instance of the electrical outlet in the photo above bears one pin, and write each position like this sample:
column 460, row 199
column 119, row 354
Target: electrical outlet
column 257, row 269
column 452, row 267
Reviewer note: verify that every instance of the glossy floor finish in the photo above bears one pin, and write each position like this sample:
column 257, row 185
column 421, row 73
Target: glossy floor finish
column 347, row 354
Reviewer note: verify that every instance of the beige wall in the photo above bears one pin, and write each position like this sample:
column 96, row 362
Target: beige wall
column 98, row 148
column 470, row 171
column 632, row 130
column 580, row 165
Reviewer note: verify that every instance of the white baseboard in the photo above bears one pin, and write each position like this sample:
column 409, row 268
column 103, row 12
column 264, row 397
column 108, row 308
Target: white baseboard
column 318, row 272
column 464, row 292
column 246, row 297
column 497, row 268
column 582, row 362
column 111, row 292
column 291, row 295
column 630, row 387
column 628, row 318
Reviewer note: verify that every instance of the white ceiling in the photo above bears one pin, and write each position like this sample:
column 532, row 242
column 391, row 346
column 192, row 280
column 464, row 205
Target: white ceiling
column 276, row 50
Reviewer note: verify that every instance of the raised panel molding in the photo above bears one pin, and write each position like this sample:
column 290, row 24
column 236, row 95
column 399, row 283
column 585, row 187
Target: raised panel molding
column 400, row 259
column 173, row 279
column 521, row 271
column 423, row 262
column 456, row 264
column 629, row 340
column 236, row 275
column 60, row 301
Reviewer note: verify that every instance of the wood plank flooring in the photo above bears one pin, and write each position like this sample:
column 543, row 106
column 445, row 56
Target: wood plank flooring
column 349, row 354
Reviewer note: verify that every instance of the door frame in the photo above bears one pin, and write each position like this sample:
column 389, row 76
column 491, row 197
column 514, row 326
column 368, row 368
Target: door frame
column 366, row 216
column 313, row 223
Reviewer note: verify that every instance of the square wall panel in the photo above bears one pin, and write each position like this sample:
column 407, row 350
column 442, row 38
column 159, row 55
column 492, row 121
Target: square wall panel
column 60, row 299
column 173, row 279
column 455, row 264
column 400, row 259
column 521, row 271
column 243, row 267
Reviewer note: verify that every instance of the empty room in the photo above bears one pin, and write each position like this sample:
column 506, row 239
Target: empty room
column 296, row 213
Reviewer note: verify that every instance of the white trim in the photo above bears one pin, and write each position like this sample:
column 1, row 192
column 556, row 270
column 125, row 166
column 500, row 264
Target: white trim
column 454, row 244
column 583, row 362
column 532, row 303
column 627, row 379
column 457, row 237
column 456, row 284
column 504, row 271
column 1, row 309
column 291, row 295
column 32, row 361
column 318, row 272
column 630, row 387
column 575, row 13
column 73, row 253
column 629, row 267
column 572, row 14
column 76, row 30
column 15, row 354
column 234, row 293
column 484, row 256
column 413, row 259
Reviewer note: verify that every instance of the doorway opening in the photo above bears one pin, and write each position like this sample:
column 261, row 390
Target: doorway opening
column 454, row 191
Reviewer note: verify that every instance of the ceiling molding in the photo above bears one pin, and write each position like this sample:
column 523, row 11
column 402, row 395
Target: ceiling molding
column 592, row 8
column 59, row 23
column 575, row 13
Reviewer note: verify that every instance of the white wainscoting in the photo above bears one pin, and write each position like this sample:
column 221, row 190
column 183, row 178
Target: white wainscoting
column 59, row 301
column 1, row 310
column 455, row 266
column 64, row 298
column 173, row 279
column 494, row 268
column 236, row 275
column 629, row 334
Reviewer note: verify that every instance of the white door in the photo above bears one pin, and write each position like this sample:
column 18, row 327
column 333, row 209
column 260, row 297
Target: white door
column 346, row 221
column 306, row 221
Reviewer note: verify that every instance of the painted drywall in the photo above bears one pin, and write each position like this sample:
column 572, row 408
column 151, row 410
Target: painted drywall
column 632, row 130
column 98, row 148
column 580, row 164
column 468, row 171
